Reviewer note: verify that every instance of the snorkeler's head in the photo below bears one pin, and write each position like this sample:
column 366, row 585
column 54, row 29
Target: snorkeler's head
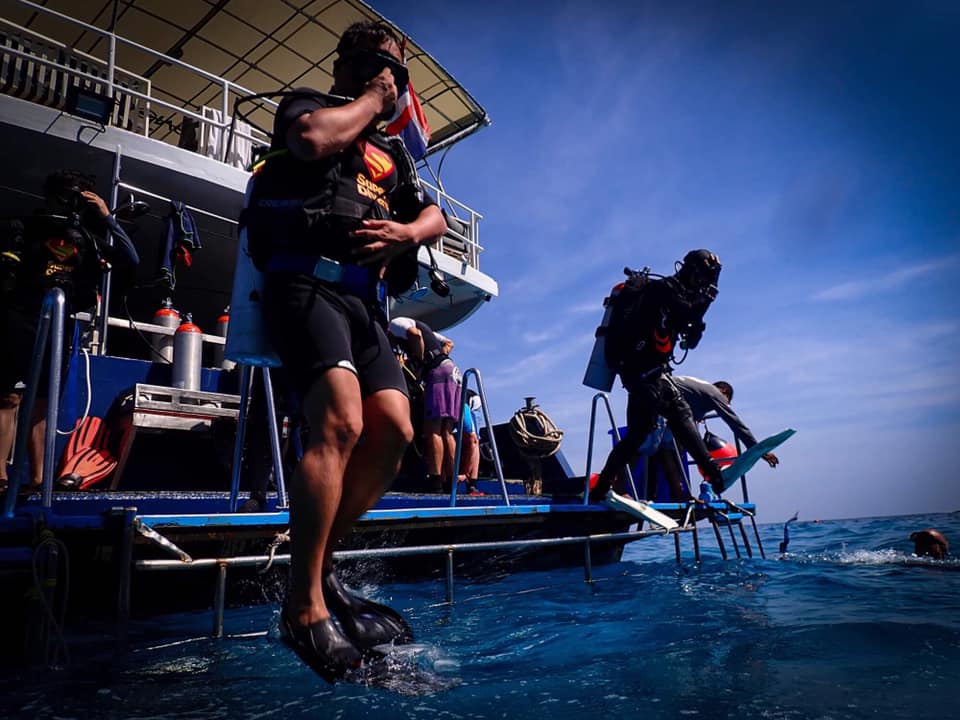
column 930, row 543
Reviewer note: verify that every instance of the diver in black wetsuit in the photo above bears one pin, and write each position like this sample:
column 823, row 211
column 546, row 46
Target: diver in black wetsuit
column 62, row 245
column 669, row 310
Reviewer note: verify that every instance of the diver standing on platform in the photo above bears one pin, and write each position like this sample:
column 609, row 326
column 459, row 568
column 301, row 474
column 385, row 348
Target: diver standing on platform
column 651, row 316
column 64, row 245
column 324, row 221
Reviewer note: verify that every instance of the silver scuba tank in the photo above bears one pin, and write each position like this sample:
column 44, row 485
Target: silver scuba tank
column 598, row 374
column 167, row 317
column 187, row 355
column 223, row 325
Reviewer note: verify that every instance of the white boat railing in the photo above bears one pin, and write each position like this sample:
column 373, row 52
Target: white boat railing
column 39, row 69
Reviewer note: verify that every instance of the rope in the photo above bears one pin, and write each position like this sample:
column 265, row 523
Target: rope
column 534, row 434
column 278, row 540
column 50, row 548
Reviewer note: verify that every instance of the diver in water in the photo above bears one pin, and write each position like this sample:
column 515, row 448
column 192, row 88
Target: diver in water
column 786, row 533
column 64, row 245
column 665, row 312
column 327, row 223
column 930, row 543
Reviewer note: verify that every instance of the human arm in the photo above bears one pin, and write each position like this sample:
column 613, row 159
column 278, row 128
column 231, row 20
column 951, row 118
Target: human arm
column 122, row 249
column 326, row 131
column 386, row 239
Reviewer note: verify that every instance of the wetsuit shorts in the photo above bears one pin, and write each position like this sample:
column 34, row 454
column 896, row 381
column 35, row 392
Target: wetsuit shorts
column 442, row 392
column 18, row 334
column 314, row 327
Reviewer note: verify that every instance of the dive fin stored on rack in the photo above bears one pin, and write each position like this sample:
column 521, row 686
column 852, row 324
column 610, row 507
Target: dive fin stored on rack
column 86, row 459
column 639, row 509
column 750, row 457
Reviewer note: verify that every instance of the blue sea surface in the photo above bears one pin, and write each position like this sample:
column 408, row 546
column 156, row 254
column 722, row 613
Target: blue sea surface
column 847, row 624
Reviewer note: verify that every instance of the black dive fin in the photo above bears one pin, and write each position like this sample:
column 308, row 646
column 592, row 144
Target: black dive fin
column 321, row 647
column 365, row 622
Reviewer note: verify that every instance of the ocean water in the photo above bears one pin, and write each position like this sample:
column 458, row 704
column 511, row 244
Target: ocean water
column 848, row 624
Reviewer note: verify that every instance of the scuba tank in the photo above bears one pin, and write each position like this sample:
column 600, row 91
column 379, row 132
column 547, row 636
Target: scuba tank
column 187, row 355
column 223, row 325
column 247, row 341
column 599, row 375
column 167, row 317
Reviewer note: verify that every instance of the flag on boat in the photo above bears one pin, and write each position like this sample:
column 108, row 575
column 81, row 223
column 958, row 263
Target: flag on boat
column 410, row 123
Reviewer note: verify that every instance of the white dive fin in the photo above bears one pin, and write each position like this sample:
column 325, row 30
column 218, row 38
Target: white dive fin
column 640, row 509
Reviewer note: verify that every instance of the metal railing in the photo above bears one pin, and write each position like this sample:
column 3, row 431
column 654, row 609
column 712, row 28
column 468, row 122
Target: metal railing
column 226, row 87
column 50, row 331
column 474, row 373
column 590, row 439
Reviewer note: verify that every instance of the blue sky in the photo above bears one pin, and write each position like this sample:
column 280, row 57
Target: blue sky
column 812, row 145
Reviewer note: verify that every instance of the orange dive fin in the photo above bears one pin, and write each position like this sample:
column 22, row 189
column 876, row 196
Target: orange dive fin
column 86, row 459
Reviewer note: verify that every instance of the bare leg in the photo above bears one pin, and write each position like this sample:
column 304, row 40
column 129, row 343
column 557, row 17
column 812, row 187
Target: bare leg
column 449, row 450
column 470, row 456
column 433, row 445
column 8, row 415
column 37, row 440
column 375, row 462
column 334, row 409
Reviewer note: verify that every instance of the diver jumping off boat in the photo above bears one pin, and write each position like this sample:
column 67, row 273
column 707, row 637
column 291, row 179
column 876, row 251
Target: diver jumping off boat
column 330, row 211
column 649, row 317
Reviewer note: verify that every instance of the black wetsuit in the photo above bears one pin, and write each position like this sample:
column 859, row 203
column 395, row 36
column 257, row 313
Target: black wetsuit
column 663, row 315
column 303, row 209
column 64, row 252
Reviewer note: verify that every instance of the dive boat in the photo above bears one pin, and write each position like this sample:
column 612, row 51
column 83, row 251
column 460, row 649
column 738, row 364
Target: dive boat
column 149, row 99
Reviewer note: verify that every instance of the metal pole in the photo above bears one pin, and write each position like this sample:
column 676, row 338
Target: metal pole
column 106, row 283
column 492, row 435
column 716, row 531
column 225, row 118
column 757, row 534
column 587, row 563
column 218, row 600
column 25, row 413
column 746, row 541
column 696, row 540
column 450, row 576
column 53, row 397
column 245, row 378
column 274, row 439
column 459, row 446
column 733, row 539
column 676, row 545
column 126, row 575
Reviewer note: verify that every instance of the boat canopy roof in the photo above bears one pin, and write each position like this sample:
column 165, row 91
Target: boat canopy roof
column 260, row 45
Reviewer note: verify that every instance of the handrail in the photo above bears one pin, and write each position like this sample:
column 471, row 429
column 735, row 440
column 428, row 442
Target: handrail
column 472, row 221
column 616, row 435
column 227, row 86
column 473, row 372
column 52, row 313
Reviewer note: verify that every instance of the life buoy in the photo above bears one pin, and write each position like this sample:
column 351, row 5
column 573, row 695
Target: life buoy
column 720, row 450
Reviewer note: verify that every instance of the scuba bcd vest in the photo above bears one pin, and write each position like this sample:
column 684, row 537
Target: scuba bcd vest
column 623, row 329
column 294, row 208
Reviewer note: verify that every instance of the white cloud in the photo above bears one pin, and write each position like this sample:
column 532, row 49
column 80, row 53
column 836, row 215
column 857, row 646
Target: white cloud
column 854, row 289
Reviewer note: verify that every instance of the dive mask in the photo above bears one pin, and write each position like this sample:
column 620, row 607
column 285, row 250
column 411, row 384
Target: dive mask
column 367, row 64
